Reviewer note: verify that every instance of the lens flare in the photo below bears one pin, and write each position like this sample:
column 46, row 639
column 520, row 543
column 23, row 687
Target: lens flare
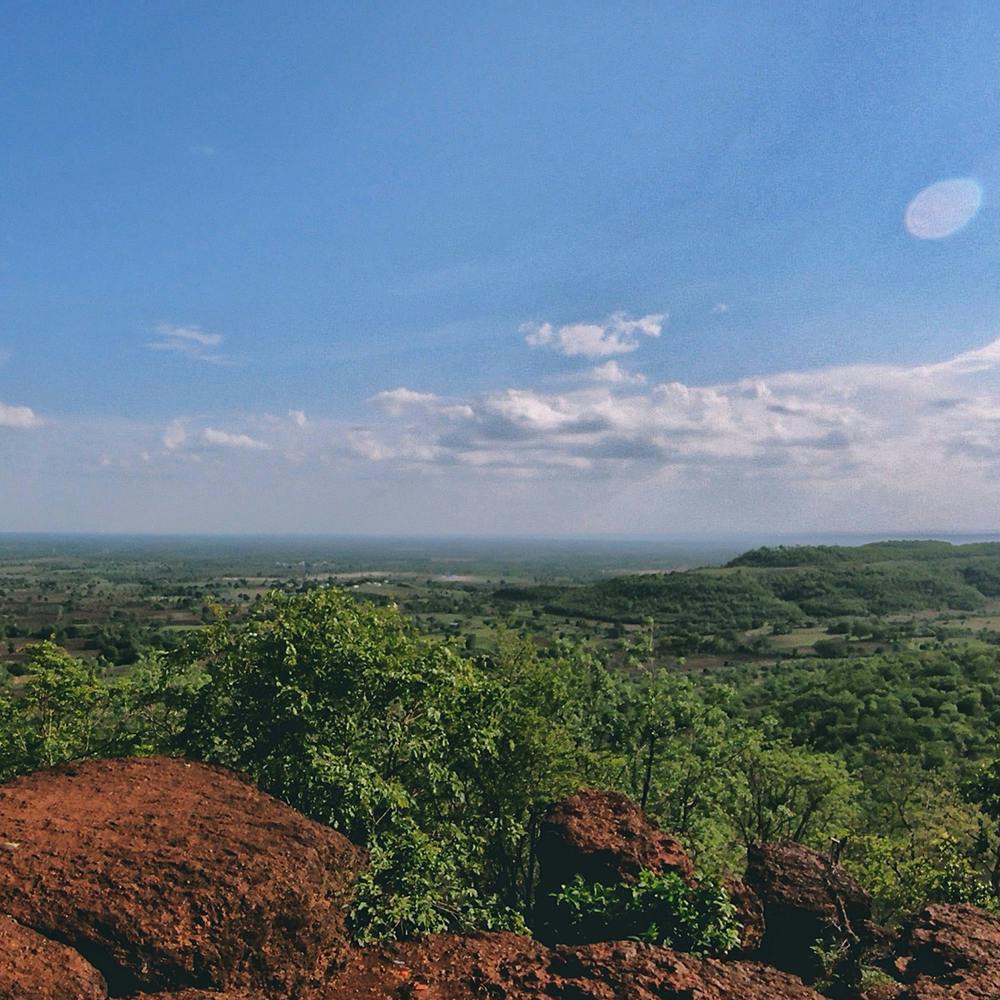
column 944, row 208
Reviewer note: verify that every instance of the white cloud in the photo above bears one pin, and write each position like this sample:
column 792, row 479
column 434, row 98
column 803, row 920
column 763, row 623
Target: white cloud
column 191, row 341
column 720, row 309
column 893, row 430
column 613, row 372
column 397, row 401
column 19, row 417
column 400, row 401
column 174, row 435
column 298, row 417
column 618, row 334
column 223, row 439
column 866, row 447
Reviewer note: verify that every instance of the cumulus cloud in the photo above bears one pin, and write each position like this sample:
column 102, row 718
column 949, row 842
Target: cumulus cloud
column 298, row 417
column 190, row 341
column 613, row 372
column 618, row 334
column 19, row 417
column 402, row 401
column 896, row 430
column 223, row 439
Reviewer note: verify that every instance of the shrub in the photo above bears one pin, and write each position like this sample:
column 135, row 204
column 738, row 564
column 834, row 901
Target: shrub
column 660, row 909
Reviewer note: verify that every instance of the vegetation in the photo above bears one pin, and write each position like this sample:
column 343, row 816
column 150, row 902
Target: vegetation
column 821, row 715
column 660, row 909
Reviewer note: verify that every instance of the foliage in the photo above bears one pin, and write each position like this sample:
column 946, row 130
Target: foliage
column 441, row 765
column 788, row 792
column 937, row 705
column 660, row 909
column 441, row 756
column 65, row 712
column 900, row 883
column 414, row 884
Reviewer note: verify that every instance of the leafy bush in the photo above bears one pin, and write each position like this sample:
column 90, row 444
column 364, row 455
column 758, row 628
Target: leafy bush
column 660, row 909
column 414, row 884
column 901, row 884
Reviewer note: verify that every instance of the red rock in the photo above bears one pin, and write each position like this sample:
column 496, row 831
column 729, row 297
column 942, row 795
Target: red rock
column 37, row 967
column 805, row 898
column 452, row 967
column 749, row 914
column 951, row 951
column 201, row 995
column 168, row 874
column 605, row 838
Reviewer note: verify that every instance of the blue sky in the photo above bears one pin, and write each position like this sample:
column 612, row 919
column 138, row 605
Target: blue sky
column 397, row 267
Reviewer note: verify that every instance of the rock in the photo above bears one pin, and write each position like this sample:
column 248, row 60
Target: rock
column 951, row 951
column 749, row 914
column 37, row 967
column 805, row 898
column 201, row 995
column 166, row 874
column 604, row 837
column 607, row 838
column 452, row 967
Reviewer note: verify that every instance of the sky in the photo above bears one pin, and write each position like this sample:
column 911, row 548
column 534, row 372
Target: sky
column 500, row 268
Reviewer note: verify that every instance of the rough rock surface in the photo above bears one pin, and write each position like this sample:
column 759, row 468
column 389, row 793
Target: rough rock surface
column 167, row 874
column 202, row 995
column 450, row 967
column 749, row 913
column 951, row 951
column 805, row 897
column 605, row 837
column 33, row 966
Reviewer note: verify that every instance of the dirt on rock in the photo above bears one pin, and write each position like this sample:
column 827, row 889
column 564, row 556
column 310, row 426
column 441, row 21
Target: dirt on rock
column 166, row 874
column 509, row 967
column 36, row 967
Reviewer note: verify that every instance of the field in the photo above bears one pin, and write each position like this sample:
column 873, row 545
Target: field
column 114, row 599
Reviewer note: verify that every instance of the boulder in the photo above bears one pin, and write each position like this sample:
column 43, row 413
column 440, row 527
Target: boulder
column 806, row 898
column 469, row 967
column 749, row 914
column 37, row 967
column 166, row 874
column 951, row 951
column 605, row 838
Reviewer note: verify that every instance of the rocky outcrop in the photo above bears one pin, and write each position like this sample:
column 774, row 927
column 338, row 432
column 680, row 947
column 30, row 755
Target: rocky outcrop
column 806, row 898
column 203, row 995
column 33, row 966
column 160, row 879
column 165, row 873
column 470, row 967
column 605, row 838
column 951, row 951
